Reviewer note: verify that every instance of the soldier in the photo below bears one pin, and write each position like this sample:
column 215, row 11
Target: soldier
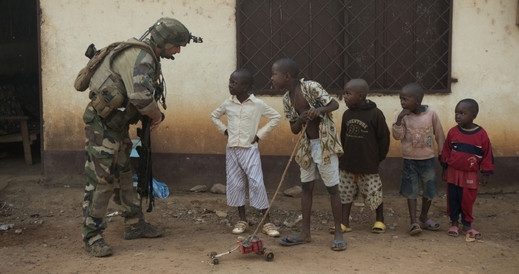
column 123, row 88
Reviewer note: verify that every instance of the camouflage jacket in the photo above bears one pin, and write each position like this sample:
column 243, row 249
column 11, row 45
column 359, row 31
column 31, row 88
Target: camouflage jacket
column 134, row 72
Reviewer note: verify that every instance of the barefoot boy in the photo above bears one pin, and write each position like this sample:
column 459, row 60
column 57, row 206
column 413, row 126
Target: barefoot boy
column 308, row 107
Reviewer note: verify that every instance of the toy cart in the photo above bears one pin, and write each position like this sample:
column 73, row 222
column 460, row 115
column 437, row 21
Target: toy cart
column 246, row 246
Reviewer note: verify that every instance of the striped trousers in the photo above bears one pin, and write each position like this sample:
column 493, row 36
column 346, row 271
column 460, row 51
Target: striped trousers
column 243, row 165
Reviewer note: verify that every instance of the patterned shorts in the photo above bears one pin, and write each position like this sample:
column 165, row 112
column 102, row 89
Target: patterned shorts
column 368, row 185
column 329, row 173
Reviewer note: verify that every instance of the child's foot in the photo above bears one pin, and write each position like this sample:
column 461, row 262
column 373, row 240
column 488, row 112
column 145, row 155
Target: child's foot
column 453, row 231
column 378, row 227
column 344, row 229
column 294, row 240
column 472, row 233
column 339, row 245
column 271, row 230
column 240, row 227
column 430, row 225
column 415, row 229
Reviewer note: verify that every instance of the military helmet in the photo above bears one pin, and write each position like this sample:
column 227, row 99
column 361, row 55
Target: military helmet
column 169, row 32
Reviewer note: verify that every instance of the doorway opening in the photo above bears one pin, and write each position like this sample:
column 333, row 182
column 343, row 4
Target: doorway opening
column 20, row 81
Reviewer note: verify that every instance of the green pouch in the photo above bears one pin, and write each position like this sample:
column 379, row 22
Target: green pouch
column 121, row 119
column 108, row 99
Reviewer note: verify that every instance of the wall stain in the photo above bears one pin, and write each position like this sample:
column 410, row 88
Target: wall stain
column 197, row 134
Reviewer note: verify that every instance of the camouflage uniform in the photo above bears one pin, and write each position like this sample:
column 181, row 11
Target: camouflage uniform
column 107, row 168
column 122, row 89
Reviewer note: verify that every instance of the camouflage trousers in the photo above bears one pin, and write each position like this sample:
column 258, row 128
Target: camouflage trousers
column 108, row 173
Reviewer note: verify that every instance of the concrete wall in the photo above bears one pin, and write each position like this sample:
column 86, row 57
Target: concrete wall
column 196, row 80
column 485, row 50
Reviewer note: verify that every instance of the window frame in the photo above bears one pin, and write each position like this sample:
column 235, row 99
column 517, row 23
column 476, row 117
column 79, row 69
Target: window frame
column 240, row 18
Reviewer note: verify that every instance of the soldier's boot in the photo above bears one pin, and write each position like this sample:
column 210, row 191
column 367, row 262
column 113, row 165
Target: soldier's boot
column 142, row 229
column 98, row 247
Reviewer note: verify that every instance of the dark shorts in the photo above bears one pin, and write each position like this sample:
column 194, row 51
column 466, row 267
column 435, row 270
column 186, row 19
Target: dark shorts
column 419, row 174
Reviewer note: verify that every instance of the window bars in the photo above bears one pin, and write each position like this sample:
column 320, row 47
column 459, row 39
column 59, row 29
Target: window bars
column 388, row 43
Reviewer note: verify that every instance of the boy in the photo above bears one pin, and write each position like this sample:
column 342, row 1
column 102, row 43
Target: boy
column 243, row 162
column 308, row 107
column 467, row 150
column 416, row 126
column 365, row 136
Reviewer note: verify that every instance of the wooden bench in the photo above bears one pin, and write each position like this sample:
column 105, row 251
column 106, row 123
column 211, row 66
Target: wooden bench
column 24, row 136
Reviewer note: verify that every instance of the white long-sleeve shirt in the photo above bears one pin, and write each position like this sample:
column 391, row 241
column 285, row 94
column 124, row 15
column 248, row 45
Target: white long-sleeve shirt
column 243, row 120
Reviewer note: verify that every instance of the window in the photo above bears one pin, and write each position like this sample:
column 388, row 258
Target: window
column 388, row 43
column 18, row 21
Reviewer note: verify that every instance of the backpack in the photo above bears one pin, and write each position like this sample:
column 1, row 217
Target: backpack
column 85, row 74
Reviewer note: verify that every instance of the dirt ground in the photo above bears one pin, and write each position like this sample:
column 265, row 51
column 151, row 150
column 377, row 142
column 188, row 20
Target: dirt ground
column 48, row 220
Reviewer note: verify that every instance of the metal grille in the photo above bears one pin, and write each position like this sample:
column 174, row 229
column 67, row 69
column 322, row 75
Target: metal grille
column 388, row 43
column 18, row 20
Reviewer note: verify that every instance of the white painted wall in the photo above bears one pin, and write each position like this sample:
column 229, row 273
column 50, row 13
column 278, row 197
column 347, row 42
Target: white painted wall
column 485, row 53
column 194, row 80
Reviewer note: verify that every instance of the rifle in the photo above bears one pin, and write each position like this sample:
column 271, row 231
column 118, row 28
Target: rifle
column 145, row 178
column 144, row 169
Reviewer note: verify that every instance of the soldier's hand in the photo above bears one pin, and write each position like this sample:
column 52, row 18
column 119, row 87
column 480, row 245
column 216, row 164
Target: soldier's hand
column 156, row 119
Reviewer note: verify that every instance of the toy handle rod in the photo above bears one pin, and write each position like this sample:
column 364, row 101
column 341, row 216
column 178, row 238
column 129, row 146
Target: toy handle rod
column 225, row 253
column 281, row 181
